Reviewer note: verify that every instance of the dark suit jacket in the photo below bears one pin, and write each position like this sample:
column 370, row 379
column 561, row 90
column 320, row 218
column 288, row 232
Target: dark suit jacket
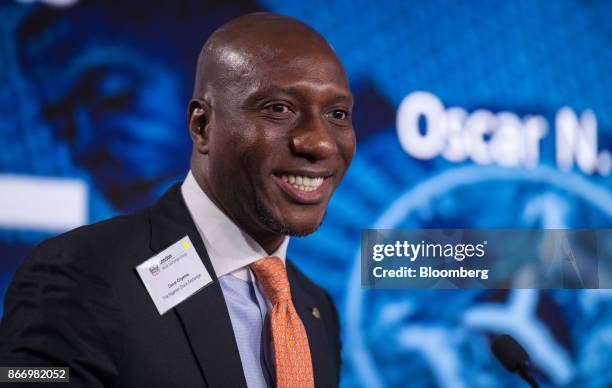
column 77, row 301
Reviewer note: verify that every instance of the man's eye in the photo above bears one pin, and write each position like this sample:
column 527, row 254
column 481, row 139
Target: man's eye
column 278, row 108
column 339, row 114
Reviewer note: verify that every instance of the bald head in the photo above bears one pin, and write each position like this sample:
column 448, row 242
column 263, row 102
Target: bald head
column 231, row 53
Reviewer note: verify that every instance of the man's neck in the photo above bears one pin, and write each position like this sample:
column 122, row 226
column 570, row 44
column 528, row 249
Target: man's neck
column 270, row 242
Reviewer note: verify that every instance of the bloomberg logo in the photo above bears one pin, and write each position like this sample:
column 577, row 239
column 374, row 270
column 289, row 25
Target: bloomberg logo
column 501, row 138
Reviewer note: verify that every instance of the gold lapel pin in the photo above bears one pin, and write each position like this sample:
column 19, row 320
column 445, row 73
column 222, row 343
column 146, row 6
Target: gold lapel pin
column 316, row 313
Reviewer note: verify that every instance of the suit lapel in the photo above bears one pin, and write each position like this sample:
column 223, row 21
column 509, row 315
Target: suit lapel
column 204, row 315
column 322, row 360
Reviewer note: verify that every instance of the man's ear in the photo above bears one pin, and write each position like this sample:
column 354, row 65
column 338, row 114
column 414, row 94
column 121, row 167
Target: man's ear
column 199, row 120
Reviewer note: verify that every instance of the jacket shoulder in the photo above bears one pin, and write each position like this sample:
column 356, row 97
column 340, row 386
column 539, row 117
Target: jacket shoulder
column 67, row 287
column 304, row 280
column 109, row 235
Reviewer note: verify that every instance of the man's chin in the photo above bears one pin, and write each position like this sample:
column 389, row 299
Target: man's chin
column 303, row 232
column 284, row 228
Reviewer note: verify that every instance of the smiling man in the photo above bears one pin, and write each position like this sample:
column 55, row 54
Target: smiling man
column 196, row 290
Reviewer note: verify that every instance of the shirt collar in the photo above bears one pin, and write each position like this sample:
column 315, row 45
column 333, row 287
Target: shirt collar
column 230, row 249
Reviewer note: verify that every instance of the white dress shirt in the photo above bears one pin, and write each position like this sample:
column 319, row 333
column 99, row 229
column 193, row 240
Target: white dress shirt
column 231, row 251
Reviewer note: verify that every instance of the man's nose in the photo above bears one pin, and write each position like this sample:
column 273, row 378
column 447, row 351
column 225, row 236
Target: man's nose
column 313, row 140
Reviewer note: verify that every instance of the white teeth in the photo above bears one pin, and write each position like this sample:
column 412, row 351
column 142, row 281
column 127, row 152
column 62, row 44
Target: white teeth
column 303, row 183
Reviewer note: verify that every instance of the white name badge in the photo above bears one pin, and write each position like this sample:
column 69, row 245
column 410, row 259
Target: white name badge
column 173, row 275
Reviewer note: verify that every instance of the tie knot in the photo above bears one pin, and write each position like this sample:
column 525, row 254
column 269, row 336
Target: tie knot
column 272, row 275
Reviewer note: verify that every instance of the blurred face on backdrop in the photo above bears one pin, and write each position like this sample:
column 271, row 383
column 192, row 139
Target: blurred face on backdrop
column 92, row 79
column 271, row 125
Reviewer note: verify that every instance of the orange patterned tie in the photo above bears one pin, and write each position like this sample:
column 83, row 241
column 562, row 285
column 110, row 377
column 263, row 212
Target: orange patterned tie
column 293, row 362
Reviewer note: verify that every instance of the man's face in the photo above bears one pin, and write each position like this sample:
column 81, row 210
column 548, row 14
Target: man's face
column 281, row 139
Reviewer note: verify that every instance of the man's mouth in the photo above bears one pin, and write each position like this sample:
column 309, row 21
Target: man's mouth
column 303, row 183
column 309, row 189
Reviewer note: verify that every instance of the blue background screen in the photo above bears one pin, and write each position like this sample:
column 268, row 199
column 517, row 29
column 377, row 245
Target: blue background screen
column 515, row 99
